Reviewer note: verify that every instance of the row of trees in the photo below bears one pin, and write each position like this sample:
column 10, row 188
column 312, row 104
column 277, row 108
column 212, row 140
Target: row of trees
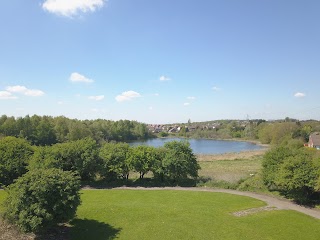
column 294, row 171
column 90, row 160
column 45, row 130
column 43, row 182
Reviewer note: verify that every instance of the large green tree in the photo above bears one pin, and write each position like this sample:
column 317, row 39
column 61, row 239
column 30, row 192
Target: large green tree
column 116, row 161
column 179, row 161
column 14, row 157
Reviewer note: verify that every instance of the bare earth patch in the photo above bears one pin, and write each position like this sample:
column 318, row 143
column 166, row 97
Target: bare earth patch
column 253, row 211
column 10, row 232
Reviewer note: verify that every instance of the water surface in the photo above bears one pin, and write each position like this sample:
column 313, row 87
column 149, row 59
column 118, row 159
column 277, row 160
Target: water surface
column 204, row 146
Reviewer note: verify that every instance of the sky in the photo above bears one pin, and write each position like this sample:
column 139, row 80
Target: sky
column 160, row 61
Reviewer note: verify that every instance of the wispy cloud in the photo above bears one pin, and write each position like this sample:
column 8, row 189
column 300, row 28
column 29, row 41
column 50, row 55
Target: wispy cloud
column 72, row 8
column 164, row 78
column 96, row 98
column 186, row 104
column 216, row 89
column 191, row 98
column 156, row 94
column 24, row 90
column 299, row 95
column 127, row 96
column 77, row 77
column 4, row 95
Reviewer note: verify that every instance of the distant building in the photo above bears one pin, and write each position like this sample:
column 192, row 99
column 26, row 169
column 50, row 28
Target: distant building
column 314, row 140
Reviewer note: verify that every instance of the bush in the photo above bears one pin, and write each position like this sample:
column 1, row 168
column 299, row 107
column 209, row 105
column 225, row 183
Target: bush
column 42, row 198
column 14, row 157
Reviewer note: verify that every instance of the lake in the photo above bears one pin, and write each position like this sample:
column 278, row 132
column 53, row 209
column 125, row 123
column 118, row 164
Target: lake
column 204, row 146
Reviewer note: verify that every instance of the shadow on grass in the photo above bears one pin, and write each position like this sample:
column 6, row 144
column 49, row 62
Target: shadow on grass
column 92, row 229
column 146, row 182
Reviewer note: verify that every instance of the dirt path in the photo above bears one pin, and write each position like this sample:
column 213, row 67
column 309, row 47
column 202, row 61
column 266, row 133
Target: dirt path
column 281, row 204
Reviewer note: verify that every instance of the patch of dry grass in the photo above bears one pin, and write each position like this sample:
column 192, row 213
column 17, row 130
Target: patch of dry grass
column 230, row 167
column 10, row 232
column 231, row 156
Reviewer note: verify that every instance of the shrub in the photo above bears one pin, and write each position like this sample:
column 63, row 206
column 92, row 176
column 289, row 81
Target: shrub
column 42, row 198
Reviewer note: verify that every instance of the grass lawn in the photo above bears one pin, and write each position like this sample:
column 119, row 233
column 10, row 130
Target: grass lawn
column 168, row 214
column 131, row 214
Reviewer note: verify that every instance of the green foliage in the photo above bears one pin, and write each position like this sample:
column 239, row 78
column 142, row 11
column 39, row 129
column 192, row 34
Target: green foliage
column 48, row 130
column 42, row 198
column 253, row 184
column 14, row 157
column 298, row 175
column 272, row 161
column 115, row 160
column 294, row 171
column 143, row 158
column 81, row 156
column 179, row 161
column 163, row 134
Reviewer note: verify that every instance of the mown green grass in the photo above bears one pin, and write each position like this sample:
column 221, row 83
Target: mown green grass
column 131, row 214
column 168, row 214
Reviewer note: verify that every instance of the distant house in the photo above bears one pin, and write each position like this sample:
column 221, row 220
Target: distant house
column 314, row 140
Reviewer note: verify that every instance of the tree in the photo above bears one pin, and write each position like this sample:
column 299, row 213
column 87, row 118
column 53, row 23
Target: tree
column 80, row 156
column 272, row 161
column 42, row 198
column 115, row 160
column 14, row 157
column 142, row 159
column 298, row 176
column 44, row 133
column 179, row 161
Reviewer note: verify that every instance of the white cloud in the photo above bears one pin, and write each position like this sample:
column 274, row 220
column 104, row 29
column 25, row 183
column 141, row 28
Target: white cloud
column 60, row 102
column 77, row 77
column 150, row 108
column 300, row 95
column 4, row 95
column 25, row 91
column 216, row 89
column 164, row 78
column 34, row 93
column 127, row 96
column 71, row 8
column 17, row 89
column 96, row 98
column 186, row 104
column 191, row 98
column 156, row 94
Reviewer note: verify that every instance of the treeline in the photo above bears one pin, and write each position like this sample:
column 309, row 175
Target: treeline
column 92, row 161
column 46, row 130
column 267, row 132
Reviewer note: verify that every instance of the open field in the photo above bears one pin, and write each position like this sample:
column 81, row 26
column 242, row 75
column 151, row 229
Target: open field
column 167, row 214
column 230, row 167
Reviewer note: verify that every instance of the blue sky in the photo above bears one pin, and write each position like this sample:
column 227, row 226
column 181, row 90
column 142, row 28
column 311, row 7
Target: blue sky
column 160, row 61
